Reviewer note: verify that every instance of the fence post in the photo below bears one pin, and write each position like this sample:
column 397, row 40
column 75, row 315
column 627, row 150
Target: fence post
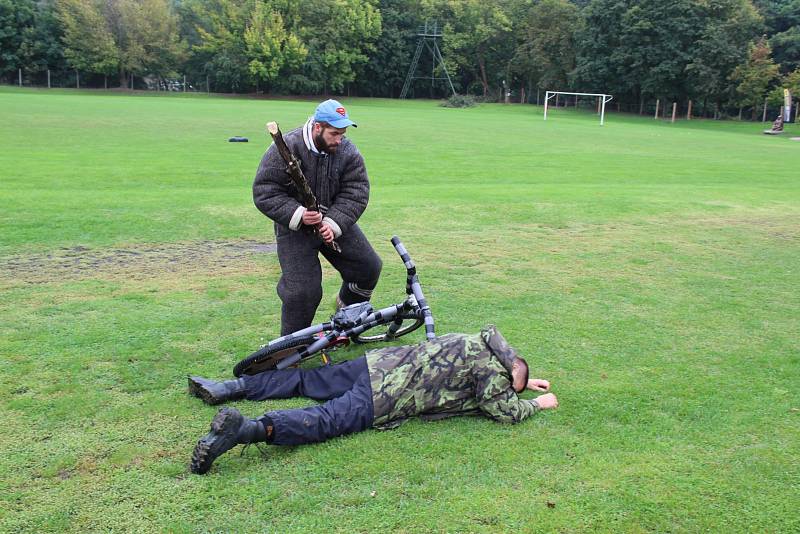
column 689, row 111
column 184, row 83
column 48, row 78
column 764, row 115
column 674, row 108
column 656, row 115
column 20, row 77
column 105, row 81
column 77, row 80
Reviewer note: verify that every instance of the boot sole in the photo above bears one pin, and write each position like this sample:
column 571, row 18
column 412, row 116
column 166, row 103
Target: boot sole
column 201, row 456
column 199, row 391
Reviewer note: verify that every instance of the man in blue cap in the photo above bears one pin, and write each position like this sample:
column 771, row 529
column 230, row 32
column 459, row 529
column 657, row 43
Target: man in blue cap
column 337, row 175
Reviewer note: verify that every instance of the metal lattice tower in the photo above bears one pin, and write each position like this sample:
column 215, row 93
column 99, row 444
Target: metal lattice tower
column 428, row 36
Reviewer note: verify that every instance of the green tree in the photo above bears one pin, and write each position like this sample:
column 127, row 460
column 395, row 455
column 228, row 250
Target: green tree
column 15, row 17
column 339, row 36
column 549, row 44
column 88, row 43
column 41, row 48
column 731, row 25
column 754, row 78
column 782, row 18
column 385, row 71
column 220, row 48
column 146, row 35
column 478, row 39
column 269, row 46
column 792, row 82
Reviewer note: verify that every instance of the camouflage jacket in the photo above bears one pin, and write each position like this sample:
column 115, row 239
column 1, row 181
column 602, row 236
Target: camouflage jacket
column 452, row 375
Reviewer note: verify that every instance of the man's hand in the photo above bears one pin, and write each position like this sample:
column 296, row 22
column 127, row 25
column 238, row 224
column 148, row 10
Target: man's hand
column 537, row 384
column 547, row 401
column 326, row 233
column 312, row 218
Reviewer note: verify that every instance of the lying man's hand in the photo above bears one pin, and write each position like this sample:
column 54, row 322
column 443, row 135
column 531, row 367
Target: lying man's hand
column 546, row 401
column 537, row 384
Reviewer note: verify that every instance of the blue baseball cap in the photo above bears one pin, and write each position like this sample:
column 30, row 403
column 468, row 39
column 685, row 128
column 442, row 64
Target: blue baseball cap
column 333, row 112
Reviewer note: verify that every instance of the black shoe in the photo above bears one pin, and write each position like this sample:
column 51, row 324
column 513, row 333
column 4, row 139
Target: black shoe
column 228, row 429
column 217, row 392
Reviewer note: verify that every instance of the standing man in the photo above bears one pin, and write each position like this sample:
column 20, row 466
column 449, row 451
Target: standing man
column 337, row 175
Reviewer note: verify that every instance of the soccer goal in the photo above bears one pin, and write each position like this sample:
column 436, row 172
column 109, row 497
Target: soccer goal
column 601, row 101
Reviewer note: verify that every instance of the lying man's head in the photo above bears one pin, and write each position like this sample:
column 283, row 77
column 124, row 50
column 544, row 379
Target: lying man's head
column 519, row 374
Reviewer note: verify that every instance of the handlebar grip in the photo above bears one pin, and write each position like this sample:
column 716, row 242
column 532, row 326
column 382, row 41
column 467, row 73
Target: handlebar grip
column 401, row 250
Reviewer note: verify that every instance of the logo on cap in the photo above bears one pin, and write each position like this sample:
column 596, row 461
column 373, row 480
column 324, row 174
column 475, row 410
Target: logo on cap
column 341, row 112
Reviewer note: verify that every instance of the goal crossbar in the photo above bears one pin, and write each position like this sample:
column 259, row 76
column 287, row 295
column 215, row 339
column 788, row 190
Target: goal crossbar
column 606, row 98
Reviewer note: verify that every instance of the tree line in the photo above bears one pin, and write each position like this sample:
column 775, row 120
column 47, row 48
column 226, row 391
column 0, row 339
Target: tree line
column 722, row 54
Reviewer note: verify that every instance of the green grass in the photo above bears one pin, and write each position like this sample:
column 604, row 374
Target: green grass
column 649, row 270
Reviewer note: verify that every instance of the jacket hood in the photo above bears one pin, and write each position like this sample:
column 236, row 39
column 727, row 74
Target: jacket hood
column 499, row 346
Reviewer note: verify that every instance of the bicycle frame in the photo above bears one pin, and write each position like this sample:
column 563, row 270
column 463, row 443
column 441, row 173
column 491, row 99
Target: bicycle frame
column 414, row 307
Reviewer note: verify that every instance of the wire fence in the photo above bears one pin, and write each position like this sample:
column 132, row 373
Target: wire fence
column 78, row 80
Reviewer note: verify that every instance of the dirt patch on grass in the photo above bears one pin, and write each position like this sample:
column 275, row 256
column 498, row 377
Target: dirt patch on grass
column 134, row 262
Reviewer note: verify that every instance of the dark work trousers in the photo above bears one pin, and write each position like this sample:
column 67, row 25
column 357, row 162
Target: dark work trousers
column 345, row 386
column 300, row 286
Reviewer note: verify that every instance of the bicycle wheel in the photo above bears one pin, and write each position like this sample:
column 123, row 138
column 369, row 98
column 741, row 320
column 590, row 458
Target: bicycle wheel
column 267, row 358
column 380, row 332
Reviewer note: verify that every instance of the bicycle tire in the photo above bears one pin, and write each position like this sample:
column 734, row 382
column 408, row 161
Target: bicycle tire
column 364, row 337
column 267, row 358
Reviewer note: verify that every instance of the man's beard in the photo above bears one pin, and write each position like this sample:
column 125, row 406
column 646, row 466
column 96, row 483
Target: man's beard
column 322, row 146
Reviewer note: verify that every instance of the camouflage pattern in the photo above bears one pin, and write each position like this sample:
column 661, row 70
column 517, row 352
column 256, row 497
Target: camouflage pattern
column 452, row 375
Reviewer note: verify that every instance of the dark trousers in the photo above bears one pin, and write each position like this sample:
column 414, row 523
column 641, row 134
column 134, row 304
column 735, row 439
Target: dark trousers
column 300, row 286
column 345, row 386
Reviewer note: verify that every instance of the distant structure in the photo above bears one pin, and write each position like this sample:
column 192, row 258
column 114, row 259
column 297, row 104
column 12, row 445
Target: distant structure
column 428, row 36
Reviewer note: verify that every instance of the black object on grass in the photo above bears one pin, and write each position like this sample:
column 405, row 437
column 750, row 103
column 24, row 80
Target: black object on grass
column 238, row 139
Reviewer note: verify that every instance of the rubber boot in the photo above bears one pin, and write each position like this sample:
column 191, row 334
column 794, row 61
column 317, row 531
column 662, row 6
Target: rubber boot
column 228, row 429
column 217, row 392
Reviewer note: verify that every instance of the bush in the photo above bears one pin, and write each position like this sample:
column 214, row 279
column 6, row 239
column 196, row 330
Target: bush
column 460, row 101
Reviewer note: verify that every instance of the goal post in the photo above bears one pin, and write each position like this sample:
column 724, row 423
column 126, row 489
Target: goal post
column 605, row 98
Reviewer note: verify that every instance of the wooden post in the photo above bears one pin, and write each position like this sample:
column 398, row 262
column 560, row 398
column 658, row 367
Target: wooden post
column 657, row 102
column 77, row 80
column 641, row 106
column 184, row 83
column 598, row 104
column 537, row 96
column 20, row 77
column 674, row 108
column 740, row 112
column 105, row 82
column 48, row 78
column 689, row 111
column 764, row 115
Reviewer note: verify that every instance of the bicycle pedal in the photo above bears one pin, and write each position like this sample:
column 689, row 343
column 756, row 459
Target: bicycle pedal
column 326, row 360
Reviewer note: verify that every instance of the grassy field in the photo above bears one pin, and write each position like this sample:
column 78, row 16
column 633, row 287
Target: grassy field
column 649, row 270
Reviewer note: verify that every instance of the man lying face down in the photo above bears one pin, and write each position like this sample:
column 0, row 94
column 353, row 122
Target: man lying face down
column 454, row 374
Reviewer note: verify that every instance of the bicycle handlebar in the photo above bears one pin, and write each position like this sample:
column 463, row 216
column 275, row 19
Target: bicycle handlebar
column 413, row 287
